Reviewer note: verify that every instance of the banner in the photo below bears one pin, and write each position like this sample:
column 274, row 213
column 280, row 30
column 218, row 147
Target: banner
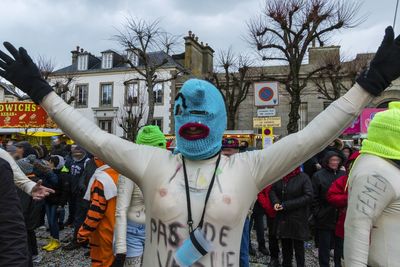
column 361, row 123
column 23, row 115
column 366, row 117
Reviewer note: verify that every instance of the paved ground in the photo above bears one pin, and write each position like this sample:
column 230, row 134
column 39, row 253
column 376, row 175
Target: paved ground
column 77, row 258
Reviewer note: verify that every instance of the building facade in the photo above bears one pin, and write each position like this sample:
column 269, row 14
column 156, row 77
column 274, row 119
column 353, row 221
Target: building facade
column 105, row 88
column 312, row 102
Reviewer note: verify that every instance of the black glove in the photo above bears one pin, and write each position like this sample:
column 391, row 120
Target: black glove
column 119, row 260
column 384, row 67
column 23, row 73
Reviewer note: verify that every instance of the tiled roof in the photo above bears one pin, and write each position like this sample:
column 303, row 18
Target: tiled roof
column 155, row 58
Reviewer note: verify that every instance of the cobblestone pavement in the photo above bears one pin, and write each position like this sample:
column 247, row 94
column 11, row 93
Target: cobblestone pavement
column 77, row 258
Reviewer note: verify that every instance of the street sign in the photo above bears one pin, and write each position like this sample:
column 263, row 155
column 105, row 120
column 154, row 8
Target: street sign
column 267, row 122
column 266, row 94
column 267, row 141
column 266, row 112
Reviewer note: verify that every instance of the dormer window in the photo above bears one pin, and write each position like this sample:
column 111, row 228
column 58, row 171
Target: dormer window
column 107, row 61
column 83, row 61
column 133, row 58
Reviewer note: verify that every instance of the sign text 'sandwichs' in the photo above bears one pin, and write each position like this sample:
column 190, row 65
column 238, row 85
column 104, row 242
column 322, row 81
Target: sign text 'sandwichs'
column 23, row 115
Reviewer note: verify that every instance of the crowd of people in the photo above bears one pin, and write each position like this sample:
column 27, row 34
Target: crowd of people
column 195, row 201
column 309, row 202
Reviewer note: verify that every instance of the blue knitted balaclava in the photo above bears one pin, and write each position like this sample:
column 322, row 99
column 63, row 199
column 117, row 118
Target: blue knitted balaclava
column 199, row 104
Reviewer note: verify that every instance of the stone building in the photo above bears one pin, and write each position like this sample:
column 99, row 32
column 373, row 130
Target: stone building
column 312, row 102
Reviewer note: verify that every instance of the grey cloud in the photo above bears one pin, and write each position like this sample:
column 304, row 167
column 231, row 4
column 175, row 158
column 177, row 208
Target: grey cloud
column 54, row 28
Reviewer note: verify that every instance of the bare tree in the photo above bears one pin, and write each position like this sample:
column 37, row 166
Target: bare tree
column 142, row 38
column 232, row 78
column 285, row 30
column 61, row 85
column 130, row 116
column 338, row 76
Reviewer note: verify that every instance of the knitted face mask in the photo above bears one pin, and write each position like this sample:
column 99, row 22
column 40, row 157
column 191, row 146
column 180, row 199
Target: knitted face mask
column 200, row 120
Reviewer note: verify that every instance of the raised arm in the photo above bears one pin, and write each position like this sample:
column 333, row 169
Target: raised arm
column 277, row 160
column 274, row 162
column 127, row 158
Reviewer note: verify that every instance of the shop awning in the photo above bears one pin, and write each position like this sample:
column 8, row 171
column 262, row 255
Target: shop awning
column 41, row 134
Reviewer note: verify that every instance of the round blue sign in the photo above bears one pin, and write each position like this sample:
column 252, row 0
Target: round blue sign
column 266, row 93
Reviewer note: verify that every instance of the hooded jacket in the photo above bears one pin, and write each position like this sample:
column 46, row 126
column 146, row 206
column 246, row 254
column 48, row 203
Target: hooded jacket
column 324, row 213
column 338, row 194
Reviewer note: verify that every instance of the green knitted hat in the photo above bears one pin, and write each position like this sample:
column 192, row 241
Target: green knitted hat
column 152, row 136
column 383, row 137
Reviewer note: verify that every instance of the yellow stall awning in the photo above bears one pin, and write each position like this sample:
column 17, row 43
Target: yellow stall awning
column 40, row 134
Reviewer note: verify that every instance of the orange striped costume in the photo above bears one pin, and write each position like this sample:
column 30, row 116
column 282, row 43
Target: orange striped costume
column 98, row 227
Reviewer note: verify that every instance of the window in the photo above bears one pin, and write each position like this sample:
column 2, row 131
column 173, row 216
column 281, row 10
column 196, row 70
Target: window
column 106, row 94
column 81, row 95
column 131, row 93
column 83, row 62
column 106, row 125
column 303, row 112
column 133, row 58
column 158, row 122
column 158, row 90
column 107, row 61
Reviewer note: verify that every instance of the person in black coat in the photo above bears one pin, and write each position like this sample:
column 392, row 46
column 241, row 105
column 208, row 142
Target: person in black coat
column 324, row 213
column 31, row 209
column 13, row 240
column 291, row 198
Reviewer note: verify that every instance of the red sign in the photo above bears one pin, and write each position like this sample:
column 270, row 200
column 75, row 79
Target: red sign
column 23, row 115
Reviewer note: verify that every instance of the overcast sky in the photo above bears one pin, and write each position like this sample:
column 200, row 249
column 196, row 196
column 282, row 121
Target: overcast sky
column 55, row 27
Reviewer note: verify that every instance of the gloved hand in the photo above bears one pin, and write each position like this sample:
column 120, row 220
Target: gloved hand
column 384, row 67
column 23, row 73
column 119, row 260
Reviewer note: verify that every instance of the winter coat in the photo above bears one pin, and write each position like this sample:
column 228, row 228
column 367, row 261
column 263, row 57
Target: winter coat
column 43, row 171
column 324, row 213
column 76, row 169
column 13, row 239
column 337, row 196
column 63, row 187
column 295, row 195
column 90, row 168
column 310, row 166
column 265, row 202
column 31, row 209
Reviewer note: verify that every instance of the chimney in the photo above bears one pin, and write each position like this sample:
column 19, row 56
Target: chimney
column 75, row 54
column 198, row 57
column 318, row 55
